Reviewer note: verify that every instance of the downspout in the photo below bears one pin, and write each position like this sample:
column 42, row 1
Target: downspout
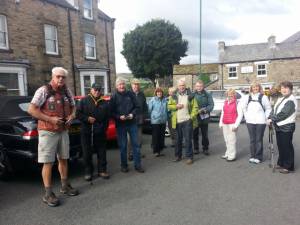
column 72, row 51
column 108, row 56
column 222, row 82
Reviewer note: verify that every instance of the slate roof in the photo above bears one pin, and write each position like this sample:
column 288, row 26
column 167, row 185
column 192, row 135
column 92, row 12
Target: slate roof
column 294, row 38
column 261, row 51
column 62, row 3
column 102, row 15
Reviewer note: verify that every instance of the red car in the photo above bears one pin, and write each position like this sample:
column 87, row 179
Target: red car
column 111, row 133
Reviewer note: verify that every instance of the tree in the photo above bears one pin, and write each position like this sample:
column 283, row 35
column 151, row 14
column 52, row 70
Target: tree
column 152, row 49
column 204, row 77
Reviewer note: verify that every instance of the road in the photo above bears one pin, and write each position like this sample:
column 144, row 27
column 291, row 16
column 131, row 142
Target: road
column 209, row 192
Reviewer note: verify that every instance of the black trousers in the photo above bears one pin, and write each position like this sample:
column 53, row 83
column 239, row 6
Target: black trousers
column 204, row 132
column 256, row 133
column 99, row 146
column 158, row 137
column 285, row 149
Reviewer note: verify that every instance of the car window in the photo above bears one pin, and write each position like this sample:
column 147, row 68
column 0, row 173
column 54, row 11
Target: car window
column 218, row 94
column 24, row 106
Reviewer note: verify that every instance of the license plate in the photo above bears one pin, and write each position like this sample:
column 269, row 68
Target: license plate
column 74, row 130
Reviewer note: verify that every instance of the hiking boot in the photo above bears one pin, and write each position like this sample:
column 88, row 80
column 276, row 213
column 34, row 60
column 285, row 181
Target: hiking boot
column 177, row 159
column 104, row 175
column 124, row 169
column 130, row 157
column 69, row 190
column 205, row 152
column 196, row 152
column 51, row 200
column 88, row 177
column 189, row 161
column 139, row 169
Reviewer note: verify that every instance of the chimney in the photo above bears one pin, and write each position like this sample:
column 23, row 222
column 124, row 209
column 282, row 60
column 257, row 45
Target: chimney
column 221, row 46
column 272, row 42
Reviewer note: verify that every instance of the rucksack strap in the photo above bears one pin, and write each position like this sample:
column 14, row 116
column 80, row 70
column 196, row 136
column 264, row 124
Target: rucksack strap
column 259, row 100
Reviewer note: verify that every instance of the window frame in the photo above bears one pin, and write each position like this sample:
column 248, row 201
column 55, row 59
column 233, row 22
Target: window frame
column 230, row 72
column 90, row 10
column 85, row 45
column 6, row 47
column 55, row 40
column 265, row 69
column 92, row 75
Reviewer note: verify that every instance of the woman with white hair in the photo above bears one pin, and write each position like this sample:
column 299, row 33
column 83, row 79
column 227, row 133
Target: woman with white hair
column 230, row 119
column 256, row 109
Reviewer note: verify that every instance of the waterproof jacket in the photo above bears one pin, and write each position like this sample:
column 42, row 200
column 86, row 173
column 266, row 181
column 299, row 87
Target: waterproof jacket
column 192, row 107
column 142, row 107
column 158, row 110
column 206, row 102
column 123, row 103
column 92, row 107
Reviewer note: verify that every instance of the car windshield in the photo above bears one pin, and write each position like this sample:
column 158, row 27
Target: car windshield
column 218, row 94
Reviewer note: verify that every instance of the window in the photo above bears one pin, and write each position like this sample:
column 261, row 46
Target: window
column 232, row 72
column 261, row 70
column 88, row 9
column 90, row 46
column 51, row 39
column 13, row 80
column 3, row 33
column 87, row 78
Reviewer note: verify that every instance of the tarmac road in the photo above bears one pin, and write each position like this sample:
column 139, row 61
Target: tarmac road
column 209, row 192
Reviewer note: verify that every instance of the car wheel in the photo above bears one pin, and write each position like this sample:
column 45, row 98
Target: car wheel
column 4, row 164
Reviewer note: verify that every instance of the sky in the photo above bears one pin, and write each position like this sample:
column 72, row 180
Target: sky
column 233, row 21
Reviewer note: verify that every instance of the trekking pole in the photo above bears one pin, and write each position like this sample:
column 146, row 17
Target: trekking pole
column 92, row 148
column 271, row 148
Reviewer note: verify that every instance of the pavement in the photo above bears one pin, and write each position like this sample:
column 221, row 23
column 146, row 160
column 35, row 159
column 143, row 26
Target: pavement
column 209, row 192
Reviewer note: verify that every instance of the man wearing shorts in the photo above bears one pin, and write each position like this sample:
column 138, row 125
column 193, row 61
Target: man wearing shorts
column 54, row 107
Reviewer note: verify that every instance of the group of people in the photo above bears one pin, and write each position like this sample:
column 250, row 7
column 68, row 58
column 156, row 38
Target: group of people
column 185, row 112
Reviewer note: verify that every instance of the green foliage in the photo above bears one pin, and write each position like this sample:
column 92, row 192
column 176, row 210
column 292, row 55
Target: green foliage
column 152, row 49
column 204, row 77
column 149, row 92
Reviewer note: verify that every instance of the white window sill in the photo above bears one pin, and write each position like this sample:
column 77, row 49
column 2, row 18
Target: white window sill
column 232, row 78
column 52, row 53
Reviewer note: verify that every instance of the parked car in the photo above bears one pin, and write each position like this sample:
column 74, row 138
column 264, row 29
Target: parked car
column 19, row 134
column 111, row 133
column 219, row 97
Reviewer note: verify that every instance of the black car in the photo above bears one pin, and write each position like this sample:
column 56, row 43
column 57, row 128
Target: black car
column 19, row 134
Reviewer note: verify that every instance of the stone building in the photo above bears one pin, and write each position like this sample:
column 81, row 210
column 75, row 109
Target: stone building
column 190, row 73
column 267, row 63
column 36, row 35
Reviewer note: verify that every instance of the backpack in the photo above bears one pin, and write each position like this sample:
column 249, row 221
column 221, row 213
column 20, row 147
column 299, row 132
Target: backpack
column 259, row 100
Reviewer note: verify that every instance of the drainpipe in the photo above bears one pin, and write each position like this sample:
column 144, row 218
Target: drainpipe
column 72, row 51
column 108, row 56
column 222, row 81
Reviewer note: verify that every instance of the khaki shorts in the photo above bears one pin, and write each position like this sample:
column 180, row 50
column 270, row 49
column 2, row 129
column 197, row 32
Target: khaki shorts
column 52, row 144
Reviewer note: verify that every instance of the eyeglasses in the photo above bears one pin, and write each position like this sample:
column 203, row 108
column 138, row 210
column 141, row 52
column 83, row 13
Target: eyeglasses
column 59, row 76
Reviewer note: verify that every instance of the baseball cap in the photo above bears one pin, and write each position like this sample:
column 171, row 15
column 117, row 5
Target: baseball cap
column 96, row 87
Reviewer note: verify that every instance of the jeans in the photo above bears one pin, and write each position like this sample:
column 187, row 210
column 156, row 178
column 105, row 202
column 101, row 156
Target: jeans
column 132, row 130
column 184, row 131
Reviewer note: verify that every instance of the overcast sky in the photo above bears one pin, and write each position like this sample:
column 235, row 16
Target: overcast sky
column 232, row 21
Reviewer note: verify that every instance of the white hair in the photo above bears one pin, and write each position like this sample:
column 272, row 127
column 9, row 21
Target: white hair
column 56, row 69
column 120, row 80
column 181, row 81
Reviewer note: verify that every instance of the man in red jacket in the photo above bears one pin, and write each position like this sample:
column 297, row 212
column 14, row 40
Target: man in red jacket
column 54, row 107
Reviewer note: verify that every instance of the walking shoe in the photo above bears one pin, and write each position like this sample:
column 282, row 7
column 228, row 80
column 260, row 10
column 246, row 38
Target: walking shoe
column 124, row 169
column 251, row 160
column 230, row 160
column 256, row 161
column 205, row 152
column 177, row 159
column 88, row 177
column 130, row 157
column 189, row 161
column 156, row 154
column 284, row 171
column 51, row 200
column 69, row 190
column 104, row 175
column 277, row 167
column 139, row 169
column 224, row 157
column 196, row 152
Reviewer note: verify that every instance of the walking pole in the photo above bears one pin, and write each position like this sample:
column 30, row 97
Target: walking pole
column 92, row 148
column 271, row 148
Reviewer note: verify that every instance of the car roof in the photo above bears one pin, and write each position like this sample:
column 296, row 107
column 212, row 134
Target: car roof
column 9, row 106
